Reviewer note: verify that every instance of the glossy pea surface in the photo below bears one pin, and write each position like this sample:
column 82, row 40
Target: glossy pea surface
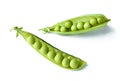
column 52, row 53
column 79, row 24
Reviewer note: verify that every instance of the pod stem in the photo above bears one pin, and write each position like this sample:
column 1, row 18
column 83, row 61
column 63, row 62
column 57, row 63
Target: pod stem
column 17, row 30
column 44, row 30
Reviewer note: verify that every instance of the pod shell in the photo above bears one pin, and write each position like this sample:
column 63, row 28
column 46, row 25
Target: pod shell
column 77, row 25
column 52, row 53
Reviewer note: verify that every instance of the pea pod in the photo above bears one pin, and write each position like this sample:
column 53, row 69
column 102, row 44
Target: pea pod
column 50, row 52
column 78, row 25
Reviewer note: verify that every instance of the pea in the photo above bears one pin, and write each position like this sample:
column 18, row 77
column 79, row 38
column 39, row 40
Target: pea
column 63, row 29
column 31, row 39
column 50, row 52
column 57, row 28
column 74, row 63
column 37, row 45
column 66, row 62
column 100, row 20
column 44, row 50
column 51, row 55
column 58, row 57
column 93, row 21
column 84, row 23
column 74, row 27
column 87, row 25
column 80, row 25
column 68, row 24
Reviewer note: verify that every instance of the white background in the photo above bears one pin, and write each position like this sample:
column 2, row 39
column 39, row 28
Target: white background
column 100, row 48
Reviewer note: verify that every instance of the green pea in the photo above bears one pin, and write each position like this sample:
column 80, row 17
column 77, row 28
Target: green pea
column 68, row 24
column 63, row 29
column 51, row 55
column 80, row 25
column 100, row 20
column 44, row 50
column 74, row 27
column 66, row 62
column 37, row 45
column 58, row 57
column 31, row 39
column 50, row 52
column 93, row 22
column 57, row 28
column 74, row 63
column 85, row 23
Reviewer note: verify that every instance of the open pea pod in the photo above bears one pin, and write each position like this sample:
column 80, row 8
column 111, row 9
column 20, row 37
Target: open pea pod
column 50, row 52
column 81, row 24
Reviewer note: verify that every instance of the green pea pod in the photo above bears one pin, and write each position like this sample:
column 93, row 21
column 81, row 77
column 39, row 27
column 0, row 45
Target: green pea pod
column 81, row 24
column 53, row 54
